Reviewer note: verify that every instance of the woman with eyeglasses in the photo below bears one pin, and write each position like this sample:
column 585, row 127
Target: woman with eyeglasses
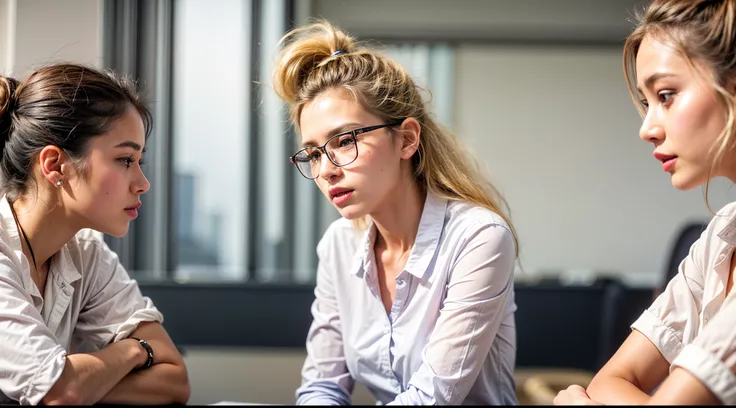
column 680, row 63
column 414, row 295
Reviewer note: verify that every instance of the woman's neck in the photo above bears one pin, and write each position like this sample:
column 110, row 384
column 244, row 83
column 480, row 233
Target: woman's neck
column 398, row 219
column 46, row 228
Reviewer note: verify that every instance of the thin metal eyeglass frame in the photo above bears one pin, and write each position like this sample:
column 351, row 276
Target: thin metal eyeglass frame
column 354, row 133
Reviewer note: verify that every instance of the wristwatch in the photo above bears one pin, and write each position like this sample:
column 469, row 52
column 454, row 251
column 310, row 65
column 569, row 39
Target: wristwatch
column 149, row 350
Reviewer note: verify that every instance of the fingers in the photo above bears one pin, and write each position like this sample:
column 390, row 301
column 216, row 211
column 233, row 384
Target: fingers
column 573, row 395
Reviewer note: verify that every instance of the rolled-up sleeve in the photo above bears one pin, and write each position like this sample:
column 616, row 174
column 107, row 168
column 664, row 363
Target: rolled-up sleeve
column 711, row 357
column 115, row 306
column 673, row 318
column 477, row 301
column 31, row 359
column 325, row 376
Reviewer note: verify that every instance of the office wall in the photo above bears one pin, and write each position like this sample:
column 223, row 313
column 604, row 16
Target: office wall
column 482, row 20
column 557, row 131
column 7, row 30
column 48, row 31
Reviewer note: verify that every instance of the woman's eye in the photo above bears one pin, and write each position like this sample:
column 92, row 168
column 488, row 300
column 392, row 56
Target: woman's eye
column 665, row 96
column 348, row 141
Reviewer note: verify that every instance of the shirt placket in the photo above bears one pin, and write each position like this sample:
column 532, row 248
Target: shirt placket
column 385, row 359
column 402, row 286
column 64, row 292
column 715, row 290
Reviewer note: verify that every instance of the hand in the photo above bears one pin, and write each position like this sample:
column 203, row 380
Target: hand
column 573, row 395
column 140, row 355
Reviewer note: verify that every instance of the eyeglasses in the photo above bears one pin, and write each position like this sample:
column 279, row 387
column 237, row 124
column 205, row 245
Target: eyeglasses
column 341, row 149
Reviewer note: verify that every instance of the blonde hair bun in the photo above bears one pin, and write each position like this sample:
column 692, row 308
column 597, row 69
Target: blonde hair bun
column 303, row 50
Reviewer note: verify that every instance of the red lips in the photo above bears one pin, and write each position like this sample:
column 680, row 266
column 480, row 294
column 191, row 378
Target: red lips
column 134, row 207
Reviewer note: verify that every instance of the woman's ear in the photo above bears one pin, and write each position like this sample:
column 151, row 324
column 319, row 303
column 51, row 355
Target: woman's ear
column 410, row 132
column 52, row 160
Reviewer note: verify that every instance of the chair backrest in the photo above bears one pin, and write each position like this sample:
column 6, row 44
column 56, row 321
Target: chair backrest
column 680, row 249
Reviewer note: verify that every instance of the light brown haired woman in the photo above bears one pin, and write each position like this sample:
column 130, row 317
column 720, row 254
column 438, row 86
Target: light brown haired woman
column 680, row 63
column 414, row 295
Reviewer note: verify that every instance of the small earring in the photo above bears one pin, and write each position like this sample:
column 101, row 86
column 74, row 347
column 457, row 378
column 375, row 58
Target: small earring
column 58, row 183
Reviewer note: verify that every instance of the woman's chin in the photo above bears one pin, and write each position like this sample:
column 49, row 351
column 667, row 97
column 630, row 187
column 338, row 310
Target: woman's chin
column 351, row 212
column 684, row 182
column 117, row 231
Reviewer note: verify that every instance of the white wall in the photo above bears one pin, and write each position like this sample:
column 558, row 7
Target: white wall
column 558, row 133
column 579, row 20
column 48, row 31
column 7, row 35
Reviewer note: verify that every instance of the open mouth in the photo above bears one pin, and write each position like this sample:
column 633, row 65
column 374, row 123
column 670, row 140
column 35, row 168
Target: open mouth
column 341, row 194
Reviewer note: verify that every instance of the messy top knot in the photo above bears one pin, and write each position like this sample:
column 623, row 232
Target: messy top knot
column 304, row 50
column 7, row 106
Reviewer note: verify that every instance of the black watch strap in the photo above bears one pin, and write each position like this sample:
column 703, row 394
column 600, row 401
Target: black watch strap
column 149, row 350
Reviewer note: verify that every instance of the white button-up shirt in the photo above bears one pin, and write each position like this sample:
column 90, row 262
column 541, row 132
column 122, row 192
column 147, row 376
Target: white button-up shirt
column 450, row 337
column 89, row 302
column 693, row 322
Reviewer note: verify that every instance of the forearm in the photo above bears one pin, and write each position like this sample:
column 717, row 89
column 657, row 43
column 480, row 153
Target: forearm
column 322, row 393
column 610, row 390
column 683, row 388
column 88, row 377
column 414, row 396
column 159, row 384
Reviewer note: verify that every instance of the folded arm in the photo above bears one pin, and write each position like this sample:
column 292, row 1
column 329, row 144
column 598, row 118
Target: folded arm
column 705, row 371
column 35, row 368
column 117, row 311
column 325, row 376
column 86, row 378
column 631, row 374
column 165, row 382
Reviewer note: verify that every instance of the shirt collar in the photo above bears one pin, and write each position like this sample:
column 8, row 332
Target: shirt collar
column 61, row 261
column 428, row 235
column 430, row 228
column 364, row 249
column 728, row 232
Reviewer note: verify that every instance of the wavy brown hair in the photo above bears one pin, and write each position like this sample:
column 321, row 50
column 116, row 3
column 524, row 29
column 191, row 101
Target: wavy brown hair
column 703, row 31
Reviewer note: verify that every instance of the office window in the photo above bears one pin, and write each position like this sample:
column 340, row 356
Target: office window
column 226, row 205
column 210, row 115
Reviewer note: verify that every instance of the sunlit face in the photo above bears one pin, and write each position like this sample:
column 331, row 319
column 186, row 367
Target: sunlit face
column 684, row 116
column 358, row 188
column 107, row 196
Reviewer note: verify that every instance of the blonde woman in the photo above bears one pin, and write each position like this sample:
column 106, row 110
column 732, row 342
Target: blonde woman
column 680, row 63
column 414, row 295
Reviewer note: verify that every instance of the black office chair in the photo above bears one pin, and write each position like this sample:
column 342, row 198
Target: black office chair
column 679, row 251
